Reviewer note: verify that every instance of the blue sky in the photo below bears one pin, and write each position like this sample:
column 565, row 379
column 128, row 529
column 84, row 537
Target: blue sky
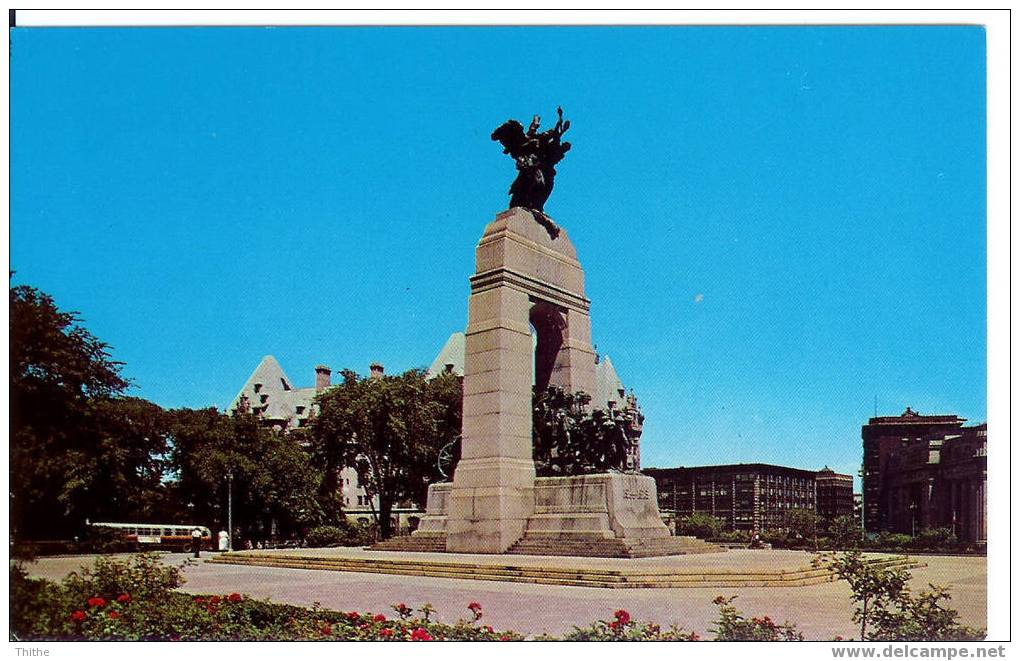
column 779, row 225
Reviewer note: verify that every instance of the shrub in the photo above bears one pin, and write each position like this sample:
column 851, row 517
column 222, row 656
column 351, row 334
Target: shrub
column 935, row 539
column 732, row 625
column 344, row 534
column 704, row 526
column 886, row 609
column 623, row 628
column 733, row 537
column 845, row 533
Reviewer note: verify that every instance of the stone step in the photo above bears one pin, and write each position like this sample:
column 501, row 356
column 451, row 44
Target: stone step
column 587, row 577
column 414, row 543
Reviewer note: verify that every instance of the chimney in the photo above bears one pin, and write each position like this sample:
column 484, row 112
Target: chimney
column 376, row 371
column 322, row 374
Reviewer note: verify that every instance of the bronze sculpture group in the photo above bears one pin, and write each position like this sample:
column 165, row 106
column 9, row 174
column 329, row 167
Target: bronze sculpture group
column 536, row 155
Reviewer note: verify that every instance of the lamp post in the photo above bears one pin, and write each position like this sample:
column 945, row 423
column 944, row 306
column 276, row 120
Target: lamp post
column 230, row 510
column 913, row 519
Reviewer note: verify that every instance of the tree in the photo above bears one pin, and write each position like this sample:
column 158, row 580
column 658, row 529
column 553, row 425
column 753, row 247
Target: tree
column 274, row 478
column 701, row 525
column 58, row 370
column 845, row 532
column 802, row 524
column 886, row 609
column 391, row 430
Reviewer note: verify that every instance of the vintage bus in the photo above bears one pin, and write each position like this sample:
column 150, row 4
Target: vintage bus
column 159, row 536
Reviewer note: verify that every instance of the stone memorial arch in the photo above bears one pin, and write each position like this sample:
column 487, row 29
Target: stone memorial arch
column 525, row 276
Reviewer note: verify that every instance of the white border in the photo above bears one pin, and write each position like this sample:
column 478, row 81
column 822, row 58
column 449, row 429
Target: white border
column 999, row 293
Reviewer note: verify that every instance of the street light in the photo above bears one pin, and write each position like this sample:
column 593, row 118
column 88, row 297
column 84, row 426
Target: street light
column 230, row 510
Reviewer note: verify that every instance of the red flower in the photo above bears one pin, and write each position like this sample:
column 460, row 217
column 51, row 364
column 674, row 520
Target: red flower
column 487, row 628
column 199, row 600
column 622, row 616
column 420, row 634
column 474, row 606
column 695, row 637
column 124, row 598
column 379, row 618
column 386, row 632
column 504, row 638
column 614, row 625
column 234, row 598
column 326, row 630
column 113, row 615
column 214, row 600
column 211, row 608
column 97, row 602
column 78, row 616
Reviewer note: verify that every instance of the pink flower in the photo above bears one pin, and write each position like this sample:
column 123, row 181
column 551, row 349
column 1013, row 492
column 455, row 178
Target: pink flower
column 420, row 634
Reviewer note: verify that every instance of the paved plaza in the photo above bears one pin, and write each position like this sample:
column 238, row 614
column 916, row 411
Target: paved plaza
column 820, row 611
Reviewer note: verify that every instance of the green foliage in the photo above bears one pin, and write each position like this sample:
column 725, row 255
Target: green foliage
column 343, row 534
column 731, row 536
column 391, row 430
column 274, row 477
column 61, row 376
column 699, row 524
column 886, row 609
column 623, row 628
column 801, row 523
column 571, row 439
column 732, row 625
column 845, row 532
column 135, row 600
column 934, row 539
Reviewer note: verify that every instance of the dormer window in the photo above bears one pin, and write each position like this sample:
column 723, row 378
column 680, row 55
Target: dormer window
column 286, row 386
column 264, row 398
column 258, row 387
column 300, row 410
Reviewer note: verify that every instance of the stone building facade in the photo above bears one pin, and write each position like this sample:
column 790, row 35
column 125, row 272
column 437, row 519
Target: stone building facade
column 834, row 493
column 925, row 471
column 752, row 497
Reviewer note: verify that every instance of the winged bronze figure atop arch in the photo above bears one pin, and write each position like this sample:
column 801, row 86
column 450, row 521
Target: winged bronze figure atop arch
column 536, row 155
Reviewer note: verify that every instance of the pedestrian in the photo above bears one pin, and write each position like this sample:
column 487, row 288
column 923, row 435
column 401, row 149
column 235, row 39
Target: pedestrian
column 224, row 540
column 196, row 542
